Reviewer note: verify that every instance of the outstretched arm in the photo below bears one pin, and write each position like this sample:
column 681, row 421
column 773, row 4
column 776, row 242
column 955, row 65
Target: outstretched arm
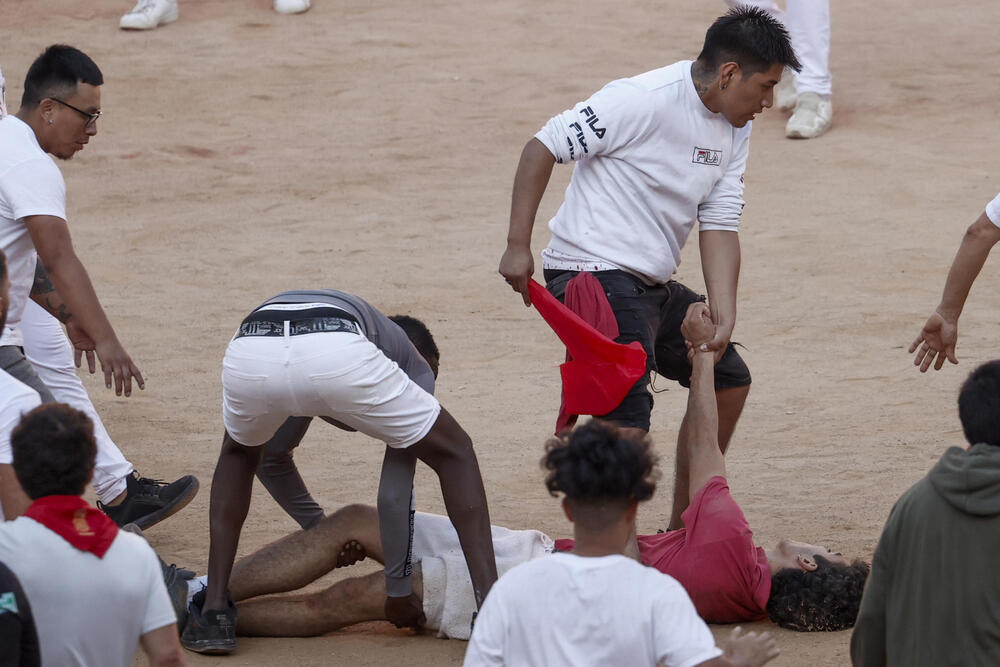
column 447, row 449
column 51, row 238
column 706, row 459
column 936, row 341
column 533, row 173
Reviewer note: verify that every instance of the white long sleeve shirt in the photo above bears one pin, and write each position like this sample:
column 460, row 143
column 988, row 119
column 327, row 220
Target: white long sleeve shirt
column 652, row 160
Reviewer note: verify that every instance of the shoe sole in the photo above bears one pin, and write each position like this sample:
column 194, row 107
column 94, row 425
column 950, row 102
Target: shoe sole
column 209, row 647
column 168, row 511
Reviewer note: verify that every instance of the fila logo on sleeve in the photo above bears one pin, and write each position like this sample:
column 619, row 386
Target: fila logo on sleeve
column 706, row 156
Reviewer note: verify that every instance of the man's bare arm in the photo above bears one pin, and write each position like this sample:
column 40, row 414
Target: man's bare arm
column 163, row 647
column 720, row 264
column 706, row 459
column 745, row 650
column 533, row 172
column 55, row 250
column 940, row 333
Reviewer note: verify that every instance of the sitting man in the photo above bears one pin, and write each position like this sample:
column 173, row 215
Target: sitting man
column 934, row 597
column 799, row 586
column 96, row 592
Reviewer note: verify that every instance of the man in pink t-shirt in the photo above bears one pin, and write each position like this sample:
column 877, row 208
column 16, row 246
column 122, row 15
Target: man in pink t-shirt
column 799, row 586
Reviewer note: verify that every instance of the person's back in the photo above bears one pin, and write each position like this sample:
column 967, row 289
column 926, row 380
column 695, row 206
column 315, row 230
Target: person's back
column 95, row 591
column 88, row 610
column 566, row 609
column 933, row 597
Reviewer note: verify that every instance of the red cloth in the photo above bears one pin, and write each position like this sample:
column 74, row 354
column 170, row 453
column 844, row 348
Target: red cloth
column 598, row 372
column 78, row 523
column 713, row 557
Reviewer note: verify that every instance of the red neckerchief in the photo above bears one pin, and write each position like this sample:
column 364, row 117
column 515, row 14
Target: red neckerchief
column 598, row 372
column 71, row 518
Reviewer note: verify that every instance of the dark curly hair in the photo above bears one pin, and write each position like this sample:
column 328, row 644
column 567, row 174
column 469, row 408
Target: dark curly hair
column 597, row 464
column 54, row 451
column 979, row 404
column 826, row 599
column 421, row 337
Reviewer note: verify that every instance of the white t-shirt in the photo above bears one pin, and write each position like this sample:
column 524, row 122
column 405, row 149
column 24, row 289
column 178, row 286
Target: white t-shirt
column 30, row 184
column 664, row 162
column 16, row 398
column 568, row 610
column 89, row 611
column 993, row 211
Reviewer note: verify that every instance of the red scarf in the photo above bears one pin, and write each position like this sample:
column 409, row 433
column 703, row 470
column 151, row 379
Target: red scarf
column 75, row 521
column 598, row 372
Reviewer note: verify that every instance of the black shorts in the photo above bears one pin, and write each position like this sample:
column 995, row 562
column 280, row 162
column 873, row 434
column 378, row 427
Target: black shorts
column 652, row 315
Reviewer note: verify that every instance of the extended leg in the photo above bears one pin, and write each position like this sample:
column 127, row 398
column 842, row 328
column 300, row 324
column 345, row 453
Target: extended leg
column 304, row 556
column 347, row 602
column 730, row 403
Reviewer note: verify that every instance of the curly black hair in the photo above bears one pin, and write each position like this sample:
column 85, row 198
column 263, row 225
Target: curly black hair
column 826, row 599
column 596, row 463
column 54, row 451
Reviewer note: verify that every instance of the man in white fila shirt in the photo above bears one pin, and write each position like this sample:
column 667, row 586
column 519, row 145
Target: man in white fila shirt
column 937, row 339
column 656, row 154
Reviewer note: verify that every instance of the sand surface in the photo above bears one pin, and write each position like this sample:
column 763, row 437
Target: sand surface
column 371, row 147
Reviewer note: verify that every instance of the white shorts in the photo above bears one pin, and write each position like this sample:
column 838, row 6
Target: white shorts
column 343, row 375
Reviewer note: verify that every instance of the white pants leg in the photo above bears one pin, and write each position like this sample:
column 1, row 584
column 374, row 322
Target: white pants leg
column 50, row 353
column 808, row 23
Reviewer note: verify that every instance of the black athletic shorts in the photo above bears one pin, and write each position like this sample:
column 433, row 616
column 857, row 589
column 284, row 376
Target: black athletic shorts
column 652, row 315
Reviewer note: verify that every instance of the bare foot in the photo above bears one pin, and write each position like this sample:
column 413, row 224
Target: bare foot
column 351, row 553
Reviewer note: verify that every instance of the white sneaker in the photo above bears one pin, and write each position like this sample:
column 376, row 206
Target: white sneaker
column 291, row 6
column 784, row 92
column 148, row 14
column 813, row 116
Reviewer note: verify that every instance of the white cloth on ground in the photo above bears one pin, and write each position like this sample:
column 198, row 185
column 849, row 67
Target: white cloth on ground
column 448, row 598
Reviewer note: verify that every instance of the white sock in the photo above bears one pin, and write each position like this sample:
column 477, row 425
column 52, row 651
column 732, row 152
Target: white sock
column 196, row 585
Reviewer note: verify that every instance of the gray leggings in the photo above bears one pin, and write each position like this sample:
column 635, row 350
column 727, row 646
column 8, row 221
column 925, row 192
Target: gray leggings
column 13, row 361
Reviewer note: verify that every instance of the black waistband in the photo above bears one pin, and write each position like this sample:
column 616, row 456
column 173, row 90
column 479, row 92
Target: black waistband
column 263, row 314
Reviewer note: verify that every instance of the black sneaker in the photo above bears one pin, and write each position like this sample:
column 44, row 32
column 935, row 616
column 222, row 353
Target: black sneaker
column 149, row 501
column 212, row 632
column 175, row 578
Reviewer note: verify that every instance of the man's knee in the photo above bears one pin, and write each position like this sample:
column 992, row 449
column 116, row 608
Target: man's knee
column 446, row 441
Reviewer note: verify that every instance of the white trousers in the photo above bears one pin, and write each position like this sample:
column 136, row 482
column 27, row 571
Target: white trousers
column 808, row 23
column 343, row 375
column 50, row 353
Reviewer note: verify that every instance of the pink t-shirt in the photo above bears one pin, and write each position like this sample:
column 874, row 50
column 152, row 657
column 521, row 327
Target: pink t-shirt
column 713, row 557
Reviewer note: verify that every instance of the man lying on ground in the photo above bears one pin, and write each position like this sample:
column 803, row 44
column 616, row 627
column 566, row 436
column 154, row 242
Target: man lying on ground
column 797, row 585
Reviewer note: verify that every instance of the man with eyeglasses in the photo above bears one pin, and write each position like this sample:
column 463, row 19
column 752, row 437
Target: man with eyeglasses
column 58, row 116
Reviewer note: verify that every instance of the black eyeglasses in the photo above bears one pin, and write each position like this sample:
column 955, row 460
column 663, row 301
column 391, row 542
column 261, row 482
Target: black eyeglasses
column 91, row 117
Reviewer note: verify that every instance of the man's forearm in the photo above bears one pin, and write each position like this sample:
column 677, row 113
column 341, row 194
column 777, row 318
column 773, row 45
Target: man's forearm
column 979, row 239
column 703, row 411
column 44, row 293
column 395, row 513
column 720, row 263
column 231, row 489
column 79, row 299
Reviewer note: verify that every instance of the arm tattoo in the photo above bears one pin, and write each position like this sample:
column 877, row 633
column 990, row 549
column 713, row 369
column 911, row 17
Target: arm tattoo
column 42, row 284
column 43, row 289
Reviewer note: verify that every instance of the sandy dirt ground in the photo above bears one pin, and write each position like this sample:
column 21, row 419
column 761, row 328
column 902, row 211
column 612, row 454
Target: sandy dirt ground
column 371, row 147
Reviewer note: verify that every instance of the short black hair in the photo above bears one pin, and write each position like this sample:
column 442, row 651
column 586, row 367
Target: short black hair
column 54, row 451
column 750, row 37
column 597, row 464
column 979, row 404
column 826, row 599
column 419, row 335
column 57, row 73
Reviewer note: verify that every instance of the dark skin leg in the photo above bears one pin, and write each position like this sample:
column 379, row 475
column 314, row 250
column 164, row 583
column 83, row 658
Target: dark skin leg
column 447, row 449
column 231, row 487
column 730, row 403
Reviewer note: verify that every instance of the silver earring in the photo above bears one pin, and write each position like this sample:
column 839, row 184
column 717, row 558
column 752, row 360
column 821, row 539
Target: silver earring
column 50, row 121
